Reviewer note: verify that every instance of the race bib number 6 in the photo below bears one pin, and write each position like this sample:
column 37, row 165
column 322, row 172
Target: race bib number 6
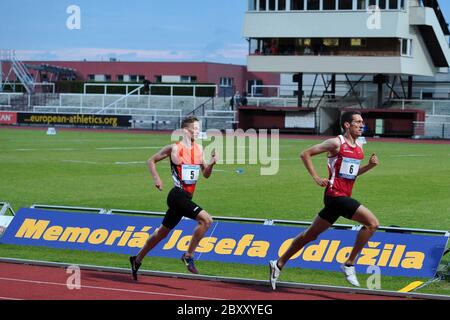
column 349, row 168
column 190, row 173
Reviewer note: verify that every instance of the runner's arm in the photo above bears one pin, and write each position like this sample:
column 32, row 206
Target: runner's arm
column 151, row 163
column 373, row 162
column 331, row 146
column 207, row 168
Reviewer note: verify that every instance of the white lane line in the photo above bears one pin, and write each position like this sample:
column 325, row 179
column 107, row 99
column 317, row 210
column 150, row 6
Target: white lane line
column 111, row 289
column 131, row 162
column 275, row 159
column 127, row 148
column 143, row 162
column 411, row 155
column 80, row 161
column 75, row 149
column 52, row 149
column 9, row 298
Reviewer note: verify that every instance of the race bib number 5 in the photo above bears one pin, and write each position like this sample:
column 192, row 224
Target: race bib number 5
column 349, row 168
column 190, row 173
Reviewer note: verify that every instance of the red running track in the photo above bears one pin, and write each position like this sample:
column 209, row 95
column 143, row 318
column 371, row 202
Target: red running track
column 27, row 282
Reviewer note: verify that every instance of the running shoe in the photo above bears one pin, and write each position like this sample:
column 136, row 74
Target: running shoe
column 274, row 273
column 350, row 274
column 189, row 262
column 134, row 267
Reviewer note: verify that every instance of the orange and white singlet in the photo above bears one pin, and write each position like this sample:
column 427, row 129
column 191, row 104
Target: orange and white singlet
column 185, row 175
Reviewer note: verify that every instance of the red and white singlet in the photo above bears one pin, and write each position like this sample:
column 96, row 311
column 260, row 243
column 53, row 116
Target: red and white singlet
column 343, row 169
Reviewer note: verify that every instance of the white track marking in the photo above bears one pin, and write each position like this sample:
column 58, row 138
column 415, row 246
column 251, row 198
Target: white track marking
column 131, row 162
column 9, row 298
column 411, row 155
column 51, row 149
column 80, row 161
column 127, row 148
column 110, row 289
column 77, row 149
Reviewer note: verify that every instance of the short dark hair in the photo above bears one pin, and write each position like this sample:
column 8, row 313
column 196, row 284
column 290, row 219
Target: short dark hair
column 188, row 120
column 348, row 117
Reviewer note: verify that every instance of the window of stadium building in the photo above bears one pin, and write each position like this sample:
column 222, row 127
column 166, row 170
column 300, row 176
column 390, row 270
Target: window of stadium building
column 226, row 82
column 297, row 5
column 272, row 4
column 361, row 4
column 345, row 4
column 406, row 47
column 188, row 79
column 358, row 42
column 313, row 5
column 393, row 4
column 325, row 5
column 262, row 5
column 329, row 4
column 331, row 42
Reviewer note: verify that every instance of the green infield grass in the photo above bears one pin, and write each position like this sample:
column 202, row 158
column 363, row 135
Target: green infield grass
column 410, row 188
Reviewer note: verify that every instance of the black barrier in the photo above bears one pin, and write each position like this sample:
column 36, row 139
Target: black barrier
column 93, row 120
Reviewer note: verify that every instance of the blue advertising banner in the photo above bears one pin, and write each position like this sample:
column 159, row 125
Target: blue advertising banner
column 395, row 254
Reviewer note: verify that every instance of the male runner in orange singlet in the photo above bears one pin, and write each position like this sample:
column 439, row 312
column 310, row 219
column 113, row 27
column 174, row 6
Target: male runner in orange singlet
column 186, row 161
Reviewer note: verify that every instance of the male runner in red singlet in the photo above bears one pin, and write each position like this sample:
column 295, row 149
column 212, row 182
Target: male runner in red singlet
column 344, row 158
column 186, row 161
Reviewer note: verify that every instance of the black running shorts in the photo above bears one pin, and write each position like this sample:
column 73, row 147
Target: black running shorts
column 336, row 207
column 180, row 205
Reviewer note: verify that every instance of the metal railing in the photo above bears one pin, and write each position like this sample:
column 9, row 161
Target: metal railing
column 431, row 130
column 120, row 99
column 5, row 98
column 19, row 69
column 287, row 90
column 433, row 107
column 107, row 85
column 171, row 86
column 117, row 111
column 279, row 101
column 172, row 102
column 202, row 107
column 5, row 207
column 238, row 219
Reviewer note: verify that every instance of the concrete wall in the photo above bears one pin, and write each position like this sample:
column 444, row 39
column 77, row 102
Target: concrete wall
column 324, row 24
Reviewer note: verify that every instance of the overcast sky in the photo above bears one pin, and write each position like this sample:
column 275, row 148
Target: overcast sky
column 134, row 30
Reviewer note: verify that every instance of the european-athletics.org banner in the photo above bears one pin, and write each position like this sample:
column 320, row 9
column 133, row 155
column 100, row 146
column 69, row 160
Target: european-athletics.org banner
column 91, row 120
column 396, row 254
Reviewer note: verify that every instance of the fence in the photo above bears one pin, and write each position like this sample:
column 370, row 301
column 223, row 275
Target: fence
column 431, row 107
column 431, row 130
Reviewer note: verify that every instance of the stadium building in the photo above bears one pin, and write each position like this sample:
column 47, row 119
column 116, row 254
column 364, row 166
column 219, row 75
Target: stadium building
column 350, row 53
